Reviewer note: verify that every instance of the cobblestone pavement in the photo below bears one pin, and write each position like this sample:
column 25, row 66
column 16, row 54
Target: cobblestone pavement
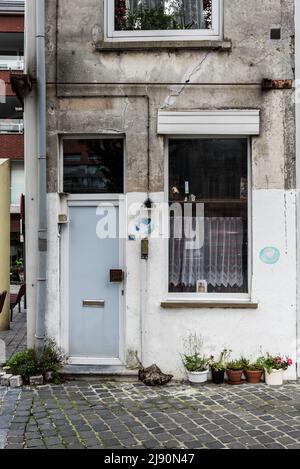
column 129, row 415
column 8, row 400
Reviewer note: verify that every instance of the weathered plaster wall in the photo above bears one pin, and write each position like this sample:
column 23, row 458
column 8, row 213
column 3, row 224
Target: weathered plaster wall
column 254, row 56
column 101, row 92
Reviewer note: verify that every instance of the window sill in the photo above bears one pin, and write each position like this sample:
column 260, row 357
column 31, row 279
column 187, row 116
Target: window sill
column 205, row 304
column 120, row 46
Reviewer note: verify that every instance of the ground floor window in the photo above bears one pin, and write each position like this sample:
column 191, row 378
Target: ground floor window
column 208, row 195
column 93, row 165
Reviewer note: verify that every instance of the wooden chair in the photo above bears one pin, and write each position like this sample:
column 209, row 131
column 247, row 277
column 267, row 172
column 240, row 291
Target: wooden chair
column 15, row 299
column 2, row 300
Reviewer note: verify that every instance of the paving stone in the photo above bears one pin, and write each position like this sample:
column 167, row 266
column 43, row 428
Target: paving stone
column 129, row 415
column 34, row 443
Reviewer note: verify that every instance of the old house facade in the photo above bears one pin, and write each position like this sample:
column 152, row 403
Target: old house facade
column 152, row 105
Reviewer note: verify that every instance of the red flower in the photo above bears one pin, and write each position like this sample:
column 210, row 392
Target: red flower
column 289, row 361
column 278, row 360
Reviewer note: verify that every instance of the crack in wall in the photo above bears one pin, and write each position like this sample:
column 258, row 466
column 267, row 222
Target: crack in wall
column 178, row 90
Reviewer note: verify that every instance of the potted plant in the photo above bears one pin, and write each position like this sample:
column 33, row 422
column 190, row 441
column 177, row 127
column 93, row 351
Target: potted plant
column 195, row 364
column 274, row 368
column 197, row 368
column 235, row 370
column 218, row 368
column 254, row 371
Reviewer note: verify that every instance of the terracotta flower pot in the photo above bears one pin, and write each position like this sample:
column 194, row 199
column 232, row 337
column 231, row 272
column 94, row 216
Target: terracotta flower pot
column 254, row 376
column 235, row 376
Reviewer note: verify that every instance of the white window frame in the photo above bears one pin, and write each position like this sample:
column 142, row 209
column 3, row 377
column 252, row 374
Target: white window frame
column 111, row 35
column 209, row 297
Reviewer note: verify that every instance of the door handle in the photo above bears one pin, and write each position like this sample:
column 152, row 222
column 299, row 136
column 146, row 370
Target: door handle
column 93, row 303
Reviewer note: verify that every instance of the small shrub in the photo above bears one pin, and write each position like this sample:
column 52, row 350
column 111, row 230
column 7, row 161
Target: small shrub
column 256, row 366
column 236, row 365
column 24, row 364
column 37, row 362
column 192, row 359
column 245, row 363
column 195, row 363
column 221, row 364
column 276, row 363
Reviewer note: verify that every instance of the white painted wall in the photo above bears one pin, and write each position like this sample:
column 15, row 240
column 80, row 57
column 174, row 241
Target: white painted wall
column 271, row 328
column 157, row 334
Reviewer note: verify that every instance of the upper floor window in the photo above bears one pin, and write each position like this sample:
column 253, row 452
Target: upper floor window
column 163, row 19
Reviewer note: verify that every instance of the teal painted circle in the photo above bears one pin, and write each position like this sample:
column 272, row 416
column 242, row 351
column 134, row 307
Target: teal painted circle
column 269, row 255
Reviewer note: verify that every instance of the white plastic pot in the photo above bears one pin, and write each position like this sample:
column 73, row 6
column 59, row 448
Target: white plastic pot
column 198, row 377
column 275, row 378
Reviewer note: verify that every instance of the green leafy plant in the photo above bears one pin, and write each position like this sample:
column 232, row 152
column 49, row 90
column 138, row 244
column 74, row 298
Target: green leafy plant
column 244, row 362
column 24, row 364
column 195, row 363
column 192, row 359
column 235, row 365
column 38, row 362
column 258, row 365
column 221, row 364
column 271, row 363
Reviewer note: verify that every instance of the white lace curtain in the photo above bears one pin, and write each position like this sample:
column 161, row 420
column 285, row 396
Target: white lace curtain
column 219, row 261
column 192, row 10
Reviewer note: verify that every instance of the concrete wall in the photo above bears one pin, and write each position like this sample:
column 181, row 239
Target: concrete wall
column 4, row 240
column 92, row 104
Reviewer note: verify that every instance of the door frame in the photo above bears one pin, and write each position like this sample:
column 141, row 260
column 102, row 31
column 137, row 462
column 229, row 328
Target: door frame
column 88, row 201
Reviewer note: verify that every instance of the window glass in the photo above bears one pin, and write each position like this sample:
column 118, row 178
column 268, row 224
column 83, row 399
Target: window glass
column 147, row 15
column 93, row 166
column 208, row 194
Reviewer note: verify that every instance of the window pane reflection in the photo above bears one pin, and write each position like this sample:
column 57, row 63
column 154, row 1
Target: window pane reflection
column 93, row 166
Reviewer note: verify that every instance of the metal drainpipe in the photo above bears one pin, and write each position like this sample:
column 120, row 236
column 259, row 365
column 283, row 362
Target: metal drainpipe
column 42, row 189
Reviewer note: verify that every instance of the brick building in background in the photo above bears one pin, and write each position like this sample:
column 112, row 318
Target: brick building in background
column 11, row 112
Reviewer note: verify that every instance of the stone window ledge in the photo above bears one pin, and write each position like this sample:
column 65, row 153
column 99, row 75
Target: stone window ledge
column 124, row 46
column 202, row 304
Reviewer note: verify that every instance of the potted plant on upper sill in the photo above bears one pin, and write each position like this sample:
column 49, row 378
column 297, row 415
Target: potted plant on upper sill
column 274, row 368
column 218, row 368
column 195, row 364
column 235, row 370
column 254, row 371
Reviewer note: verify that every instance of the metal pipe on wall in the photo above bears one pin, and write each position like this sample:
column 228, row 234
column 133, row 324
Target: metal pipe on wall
column 42, row 188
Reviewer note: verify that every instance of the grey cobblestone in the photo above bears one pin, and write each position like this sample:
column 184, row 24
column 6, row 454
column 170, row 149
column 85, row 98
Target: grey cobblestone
column 120, row 415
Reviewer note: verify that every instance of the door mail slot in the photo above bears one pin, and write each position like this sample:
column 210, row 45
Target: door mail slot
column 116, row 276
column 93, row 303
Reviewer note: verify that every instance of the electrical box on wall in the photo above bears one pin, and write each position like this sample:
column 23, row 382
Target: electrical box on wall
column 62, row 219
column 145, row 248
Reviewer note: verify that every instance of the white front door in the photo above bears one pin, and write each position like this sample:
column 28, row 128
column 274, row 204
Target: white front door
column 94, row 300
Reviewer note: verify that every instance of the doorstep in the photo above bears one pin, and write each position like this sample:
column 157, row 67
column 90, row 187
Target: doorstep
column 118, row 372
